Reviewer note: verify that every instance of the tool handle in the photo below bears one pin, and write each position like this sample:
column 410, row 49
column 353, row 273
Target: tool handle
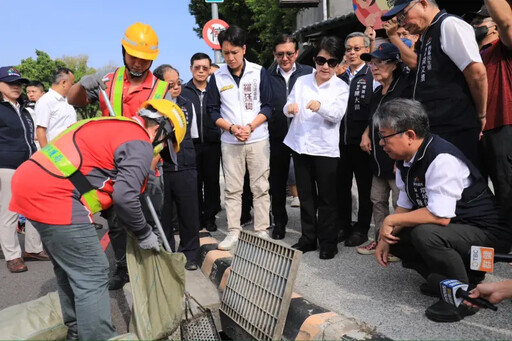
column 157, row 222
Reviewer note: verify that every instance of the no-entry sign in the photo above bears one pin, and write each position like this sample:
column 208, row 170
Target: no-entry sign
column 211, row 31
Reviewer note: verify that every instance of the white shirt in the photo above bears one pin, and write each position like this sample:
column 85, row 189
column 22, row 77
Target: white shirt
column 54, row 113
column 459, row 43
column 445, row 180
column 316, row 133
column 287, row 75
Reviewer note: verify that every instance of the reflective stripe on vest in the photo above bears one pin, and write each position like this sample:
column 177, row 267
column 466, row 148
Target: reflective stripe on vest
column 67, row 167
column 116, row 92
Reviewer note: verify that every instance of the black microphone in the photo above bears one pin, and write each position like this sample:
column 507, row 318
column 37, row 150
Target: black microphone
column 453, row 292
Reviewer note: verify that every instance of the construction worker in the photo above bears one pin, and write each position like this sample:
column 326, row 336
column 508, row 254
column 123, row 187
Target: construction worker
column 95, row 165
column 127, row 88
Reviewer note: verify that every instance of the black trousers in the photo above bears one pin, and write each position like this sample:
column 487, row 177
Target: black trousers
column 316, row 184
column 208, row 184
column 279, row 166
column 354, row 161
column 445, row 250
column 117, row 230
column 178, row 187
column 497, row 151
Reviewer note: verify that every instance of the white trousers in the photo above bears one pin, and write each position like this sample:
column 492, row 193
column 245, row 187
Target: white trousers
column 9, row 221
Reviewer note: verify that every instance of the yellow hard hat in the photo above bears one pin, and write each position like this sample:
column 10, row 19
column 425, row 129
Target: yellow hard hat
column 141, row 41
column 170, row 110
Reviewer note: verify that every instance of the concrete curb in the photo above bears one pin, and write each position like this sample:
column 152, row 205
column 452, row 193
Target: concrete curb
column 305, row 320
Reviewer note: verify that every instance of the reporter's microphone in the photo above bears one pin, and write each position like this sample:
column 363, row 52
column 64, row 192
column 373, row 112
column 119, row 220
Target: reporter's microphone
column 483, row 258
column 454, row 292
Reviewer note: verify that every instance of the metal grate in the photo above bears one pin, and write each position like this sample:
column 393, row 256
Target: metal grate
column 259, row 287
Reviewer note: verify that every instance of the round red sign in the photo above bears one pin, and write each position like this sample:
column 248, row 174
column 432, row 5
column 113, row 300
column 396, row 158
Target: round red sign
column 211, row 31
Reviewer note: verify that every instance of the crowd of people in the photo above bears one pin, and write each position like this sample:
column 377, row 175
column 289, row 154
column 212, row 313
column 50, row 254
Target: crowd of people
column 422, row 117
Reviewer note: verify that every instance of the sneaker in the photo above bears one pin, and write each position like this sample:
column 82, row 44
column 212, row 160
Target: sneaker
column 119, row 279
column 263, row 234
column 368, row 249
column 229, row 242
column 295, row 202
column 191, row 265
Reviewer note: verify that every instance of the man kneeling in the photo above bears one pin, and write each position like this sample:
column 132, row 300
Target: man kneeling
column 444, row 205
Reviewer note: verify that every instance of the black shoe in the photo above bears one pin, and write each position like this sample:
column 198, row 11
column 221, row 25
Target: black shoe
column 356, row 239
column 191, row 265
column 445, row 312
column 427, row 290
column 72, row 332
column 119, row 279
column 278, row 232
column 304, row 247
column 211, row 226
column 327, row 254
column 344, row 234
column 246, row 219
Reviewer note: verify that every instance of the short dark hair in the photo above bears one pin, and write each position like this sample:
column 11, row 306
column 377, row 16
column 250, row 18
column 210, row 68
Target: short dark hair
column 215, row 65
column 37, row 84
column 332, row 45
column 199, row 56
column 61, row 73
column 162, row 69
column 286, row 38
column 234, row 35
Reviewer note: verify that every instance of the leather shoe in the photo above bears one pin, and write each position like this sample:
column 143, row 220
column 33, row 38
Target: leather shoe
column 119, row 279
column 191, row 265
column 16, row 265
column 343, row 234
column 356, row 239
column 27, row 256
column 211, row 226
column 304, row 247
column 324, row 254
column 445, row 312
column 278, row 232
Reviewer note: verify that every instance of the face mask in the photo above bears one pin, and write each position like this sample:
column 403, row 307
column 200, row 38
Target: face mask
column 480, row 33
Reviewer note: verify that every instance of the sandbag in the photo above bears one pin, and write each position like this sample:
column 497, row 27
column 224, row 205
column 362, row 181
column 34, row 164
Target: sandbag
column 157, row 281
column 40, row 319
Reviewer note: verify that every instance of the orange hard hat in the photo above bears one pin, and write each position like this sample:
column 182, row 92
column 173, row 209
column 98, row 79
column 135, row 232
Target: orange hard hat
column 141, row 41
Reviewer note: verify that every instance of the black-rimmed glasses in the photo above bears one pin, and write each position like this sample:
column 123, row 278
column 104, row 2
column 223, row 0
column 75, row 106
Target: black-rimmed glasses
column 384, row 137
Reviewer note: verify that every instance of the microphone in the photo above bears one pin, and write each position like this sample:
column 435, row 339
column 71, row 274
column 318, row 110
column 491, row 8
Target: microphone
column 483, row 258
column 454, row 292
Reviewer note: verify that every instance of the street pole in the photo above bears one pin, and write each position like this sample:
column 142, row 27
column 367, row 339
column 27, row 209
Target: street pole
column 215, row 15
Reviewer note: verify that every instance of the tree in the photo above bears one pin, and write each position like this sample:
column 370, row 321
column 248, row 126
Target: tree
column 43, row 67
column 262, row 19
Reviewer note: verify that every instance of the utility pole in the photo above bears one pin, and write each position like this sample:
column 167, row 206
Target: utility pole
column 215, row 15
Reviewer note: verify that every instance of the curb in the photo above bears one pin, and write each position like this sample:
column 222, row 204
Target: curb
column 308, row 321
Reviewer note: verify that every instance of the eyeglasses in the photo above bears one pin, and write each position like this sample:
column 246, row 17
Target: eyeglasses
column 378, row 63
column 282, row 54
column 355, row 48
column 178, row 83
column 400, row 17
column 201, row 67
column 332, row 62
column 384, row 137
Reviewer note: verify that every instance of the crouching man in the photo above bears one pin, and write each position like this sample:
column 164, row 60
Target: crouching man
column 444, row 205
column 94, row 165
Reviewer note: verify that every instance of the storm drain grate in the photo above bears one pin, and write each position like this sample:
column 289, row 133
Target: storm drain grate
column 259, row 287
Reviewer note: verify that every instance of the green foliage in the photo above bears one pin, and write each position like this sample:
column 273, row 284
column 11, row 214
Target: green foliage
column 43, row 67
column 262, row 19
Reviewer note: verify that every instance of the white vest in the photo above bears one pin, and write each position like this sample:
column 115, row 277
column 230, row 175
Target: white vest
column 241, row 104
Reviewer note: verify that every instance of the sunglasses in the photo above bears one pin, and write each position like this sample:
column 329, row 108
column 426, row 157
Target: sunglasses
column 282, row 54
column 332, row 62
column 203, row 67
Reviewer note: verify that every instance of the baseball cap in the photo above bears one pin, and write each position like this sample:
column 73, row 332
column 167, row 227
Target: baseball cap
column 398, row 6
column 482, row 13
column 385, row 51
column 9, row 74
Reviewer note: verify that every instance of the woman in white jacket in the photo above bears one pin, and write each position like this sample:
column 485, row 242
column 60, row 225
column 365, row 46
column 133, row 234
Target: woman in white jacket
column 317, row 104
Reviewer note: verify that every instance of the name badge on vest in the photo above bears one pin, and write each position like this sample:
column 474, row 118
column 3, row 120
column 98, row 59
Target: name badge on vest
column 359, row 93
column 249, row 95
column 426, row 60
column 420, row 192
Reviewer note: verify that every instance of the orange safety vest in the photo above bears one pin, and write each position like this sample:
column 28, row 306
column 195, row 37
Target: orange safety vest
column 62, row 159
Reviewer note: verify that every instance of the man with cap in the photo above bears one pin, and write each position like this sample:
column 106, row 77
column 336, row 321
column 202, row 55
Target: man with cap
column 94, row 165
column 493, row 30
column 17, row 145
column 127, row 88
column 450, row 79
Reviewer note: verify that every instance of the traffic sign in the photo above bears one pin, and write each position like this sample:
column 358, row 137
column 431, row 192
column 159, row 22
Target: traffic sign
column 211, row 31
column 214, row 1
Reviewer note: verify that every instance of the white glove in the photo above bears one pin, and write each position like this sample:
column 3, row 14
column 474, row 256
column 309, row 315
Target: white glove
column 150, row 243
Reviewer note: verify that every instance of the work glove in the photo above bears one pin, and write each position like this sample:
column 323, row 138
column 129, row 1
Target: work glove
column 92, row 82
column 150, row 243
